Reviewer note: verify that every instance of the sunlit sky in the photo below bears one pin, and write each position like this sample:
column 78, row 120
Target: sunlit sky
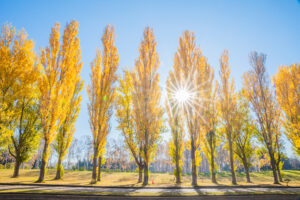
column 271, row 27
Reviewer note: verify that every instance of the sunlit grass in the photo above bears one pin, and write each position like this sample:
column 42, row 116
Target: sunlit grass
column 144, row 193
column 129, row 179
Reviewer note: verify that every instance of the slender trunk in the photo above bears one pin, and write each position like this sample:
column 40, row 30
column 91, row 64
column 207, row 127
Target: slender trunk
column 44, row 163
column 94, row 173
column 273, row 165
column 178, row 175
column 78, row 164
column 246, row 170
column 247, row 174
column 194, row 168
column 16, row 169
column 146, row 159
column 233, row 181
column 212, row 166
column 278, row 171
column 246, row 167
column 58, row 169
column 42, row 171
column 99, row 169
column 146, row 173
column 140, row 173
column 278, row 160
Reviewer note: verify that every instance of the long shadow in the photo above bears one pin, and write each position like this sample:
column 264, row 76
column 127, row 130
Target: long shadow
column 170, row 193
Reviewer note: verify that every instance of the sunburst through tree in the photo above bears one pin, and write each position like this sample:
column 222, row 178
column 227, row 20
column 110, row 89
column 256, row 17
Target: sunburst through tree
column 186, row 97
column 183, row 96
column 187, row 92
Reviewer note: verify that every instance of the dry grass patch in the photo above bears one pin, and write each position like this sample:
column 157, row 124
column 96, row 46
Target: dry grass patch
column 129, row 179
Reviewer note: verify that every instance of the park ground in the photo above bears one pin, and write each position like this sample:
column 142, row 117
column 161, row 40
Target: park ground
column 122, row 185
column 129, row 179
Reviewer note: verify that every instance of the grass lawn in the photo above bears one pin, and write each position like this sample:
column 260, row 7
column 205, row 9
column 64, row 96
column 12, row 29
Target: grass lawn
column 130, row 179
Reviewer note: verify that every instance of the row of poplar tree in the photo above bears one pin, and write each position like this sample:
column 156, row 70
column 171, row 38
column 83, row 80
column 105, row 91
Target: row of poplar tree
column 40, row 100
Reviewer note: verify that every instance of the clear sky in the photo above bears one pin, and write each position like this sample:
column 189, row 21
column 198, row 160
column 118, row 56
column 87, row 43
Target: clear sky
column 268, row 26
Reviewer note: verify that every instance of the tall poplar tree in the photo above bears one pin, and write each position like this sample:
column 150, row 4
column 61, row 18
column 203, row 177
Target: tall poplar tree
column 287, row 87
column 61, row 65
column 175, row 121
column 259, row 95
column 101, row 93
column 244, row 130
column 227, row 107
column 67, row 128
column 146, row 98
column 193, row 66
column 211, row 120
column 126, row 119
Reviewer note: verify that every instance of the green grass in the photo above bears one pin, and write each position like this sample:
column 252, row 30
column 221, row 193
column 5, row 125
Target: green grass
column 129, row 179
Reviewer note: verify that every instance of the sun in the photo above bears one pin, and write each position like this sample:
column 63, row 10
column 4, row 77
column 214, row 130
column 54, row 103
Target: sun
column 182, row 95
column 184, row 98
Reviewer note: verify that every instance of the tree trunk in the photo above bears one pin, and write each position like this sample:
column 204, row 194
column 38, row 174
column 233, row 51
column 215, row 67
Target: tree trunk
column 212, row 166
column 16, row 169
column 233, row 181
column 178, row 175
column 44, row 163
column 246, row 170
column 140, row 173
column 99, row 169
column 58, row 169
column 278, row 171
column 146, row 173
column 42, row 172
column 34, row 164
column 94, row 173
column 146, row 159
column 194, row 168
column 273, row 165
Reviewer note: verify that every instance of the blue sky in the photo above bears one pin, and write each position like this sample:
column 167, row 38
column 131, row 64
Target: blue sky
column 271, row 27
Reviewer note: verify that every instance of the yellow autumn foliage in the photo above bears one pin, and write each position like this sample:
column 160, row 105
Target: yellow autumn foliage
column 61, row 65
column 102, row 93
column 17, row 64
column 287, row 86
column 146, row 97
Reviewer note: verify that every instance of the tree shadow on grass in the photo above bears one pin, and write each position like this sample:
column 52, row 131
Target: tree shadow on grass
column 170, row 193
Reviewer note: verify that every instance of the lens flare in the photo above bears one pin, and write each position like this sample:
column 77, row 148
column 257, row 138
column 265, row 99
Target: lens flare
column 182, row 95
column 185, row 98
